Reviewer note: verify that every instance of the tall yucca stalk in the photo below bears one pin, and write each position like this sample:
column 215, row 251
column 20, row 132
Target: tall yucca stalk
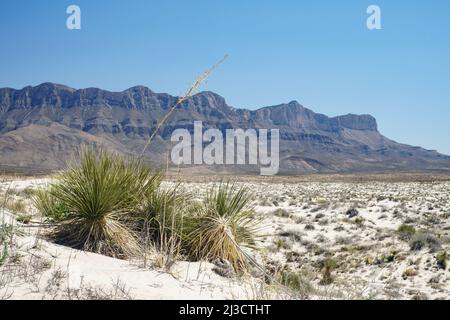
column 100, row 196
column 189, row 93
column 226, row 225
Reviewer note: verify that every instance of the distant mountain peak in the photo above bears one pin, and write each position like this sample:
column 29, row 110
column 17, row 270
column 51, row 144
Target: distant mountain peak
column 42, row 126
column 52, row 86
column 138, row 88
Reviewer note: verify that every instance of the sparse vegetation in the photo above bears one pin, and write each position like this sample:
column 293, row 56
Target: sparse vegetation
column 297, row 281
column 328, row 266
column 282, row 213
column 116, row 206
column 299, row 252
column 441, row 259
column 24, row 218
column 410, row 272
column 52, row 208
column 421, row 240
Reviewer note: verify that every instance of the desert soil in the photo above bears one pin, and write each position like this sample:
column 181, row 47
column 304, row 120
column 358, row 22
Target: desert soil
column 354, row 224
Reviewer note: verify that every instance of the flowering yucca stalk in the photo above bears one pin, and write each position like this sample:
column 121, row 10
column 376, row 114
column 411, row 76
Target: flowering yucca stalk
column 226, row 225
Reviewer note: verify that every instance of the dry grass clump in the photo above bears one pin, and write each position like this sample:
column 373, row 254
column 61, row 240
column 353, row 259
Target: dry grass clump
column 14, row 205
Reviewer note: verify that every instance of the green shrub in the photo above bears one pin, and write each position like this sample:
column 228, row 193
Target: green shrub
column 296, row 281
column 49, row 206
column 95, row 202
column 328, row 266
column 406, row 231
column 24, row 218
column 116, row 206
column 225, row 225
column 282, row 213
column 161, row 221
column 3, row 254
column 7, row 232
column 162, row 212
column 441, row 259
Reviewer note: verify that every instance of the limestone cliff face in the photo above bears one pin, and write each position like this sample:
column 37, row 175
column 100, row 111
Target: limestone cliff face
column 41, row 127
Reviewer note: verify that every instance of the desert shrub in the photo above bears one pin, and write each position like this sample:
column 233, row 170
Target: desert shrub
column 319, row 216
column 409, row 273
column 24, row 218
column 406, row 231
column 421, row 240
column 418, row 242
column 161, row 222
column 328, row 266
column 224, row 226
column 283, row 213
column 116, row 206
column 97, row 198
column 280, row 244
column 359, row 221
column 7, row 233
column 15, row 206
column 294, row 235
column 28, row 192
column 296, row 281
column 441, row 259
column 162, row 212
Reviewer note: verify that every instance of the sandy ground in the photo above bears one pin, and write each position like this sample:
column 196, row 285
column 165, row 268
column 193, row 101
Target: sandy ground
column 305, row 224
column 70, row 274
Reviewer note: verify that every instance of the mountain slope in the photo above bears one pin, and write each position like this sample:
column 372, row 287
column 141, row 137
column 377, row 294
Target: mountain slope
column 43, row 126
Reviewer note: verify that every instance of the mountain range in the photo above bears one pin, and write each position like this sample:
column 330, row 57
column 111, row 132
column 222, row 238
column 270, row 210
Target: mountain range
column 42, row 127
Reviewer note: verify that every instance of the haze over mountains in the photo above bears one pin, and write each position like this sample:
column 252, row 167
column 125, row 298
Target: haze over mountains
column 42, row 127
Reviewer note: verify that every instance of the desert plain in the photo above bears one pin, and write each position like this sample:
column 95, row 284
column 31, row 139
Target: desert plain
column 321, row 237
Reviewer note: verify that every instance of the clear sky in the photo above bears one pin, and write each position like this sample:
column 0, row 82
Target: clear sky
column 319, row 53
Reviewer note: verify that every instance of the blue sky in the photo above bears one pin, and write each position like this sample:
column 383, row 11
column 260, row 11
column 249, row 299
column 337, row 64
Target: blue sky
column 319, row 53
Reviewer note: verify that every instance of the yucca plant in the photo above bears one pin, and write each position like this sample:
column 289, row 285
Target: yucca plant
column 161, row 222
column 98, row 198
column 226, row 225
column 162, row 211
